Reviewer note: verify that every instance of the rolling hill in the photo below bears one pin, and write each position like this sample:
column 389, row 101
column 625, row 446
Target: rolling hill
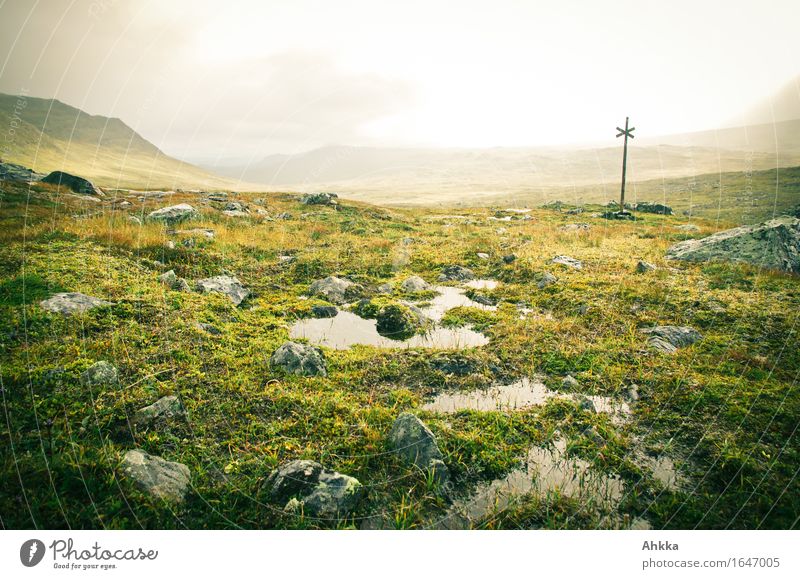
column 48, row 135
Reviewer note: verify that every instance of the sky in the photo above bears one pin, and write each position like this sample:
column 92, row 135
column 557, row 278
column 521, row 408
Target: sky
column 208, row 81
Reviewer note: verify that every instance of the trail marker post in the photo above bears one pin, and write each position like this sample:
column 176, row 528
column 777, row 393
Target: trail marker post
column 628, row 132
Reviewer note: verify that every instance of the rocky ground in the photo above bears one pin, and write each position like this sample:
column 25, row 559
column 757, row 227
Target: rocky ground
column 167, row 361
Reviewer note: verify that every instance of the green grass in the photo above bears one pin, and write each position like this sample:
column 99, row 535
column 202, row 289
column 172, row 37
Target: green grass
column 726, row 408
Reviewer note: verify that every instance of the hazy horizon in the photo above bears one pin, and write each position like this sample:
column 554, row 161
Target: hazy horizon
column 203, row 83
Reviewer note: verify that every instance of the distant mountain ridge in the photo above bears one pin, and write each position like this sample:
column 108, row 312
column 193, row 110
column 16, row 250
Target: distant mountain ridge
column 48, row 135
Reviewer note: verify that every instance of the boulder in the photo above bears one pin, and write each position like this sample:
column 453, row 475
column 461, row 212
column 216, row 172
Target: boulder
column 172, row 281
column 456, row 273
column 397, row 322
column 482, row 255
column 334, row 289
column 14, row 172
column 669, row 338
column 567, row 261
column 324, row 311
column 73, row 183
column 160, row 478
column 100, row 373
column 509, row 258
column 235, row 206
column 319, row 199
column 160, row 413
column 300, row 359
column 320, row 492
column 414, row 284
column 658, row 208
column 413, row 441
column 69, row 303
column 226, row 285
column 774, row 244
column 644, row 267
column 173, row 214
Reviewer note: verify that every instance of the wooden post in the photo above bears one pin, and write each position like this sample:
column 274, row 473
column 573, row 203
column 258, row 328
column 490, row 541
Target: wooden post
column 628, row 132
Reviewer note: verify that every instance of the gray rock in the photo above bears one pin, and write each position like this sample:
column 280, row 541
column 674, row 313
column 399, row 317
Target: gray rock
column 586, row 403
column 285, row 216
column 575, row 227
column 100, row 373
column 209, row 328
column 320, row 492
column 567, row 261
column 416, row 444
column 644, row 267
column 69, row 303
column 385, row 288
column 334, row 289
column 300, row 359
column 509, row 258
column 546, row 279
column 231, row 213
column 319, row 199
column 324, row 311
column 219, row 197
column 482, row 255
column 414, row 284
column 160, row 413
column 173, row 213
column 235, row 206
column 456, row 273
column 774, row 244
column 569, row 382
column 658, row 208
column 77, row 184
column 160, row 478
column 226, row 285
column 14, row 172
column 669, row 338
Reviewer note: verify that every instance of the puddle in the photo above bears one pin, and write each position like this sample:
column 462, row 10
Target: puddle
column 347, row 329
column 482, row 284
column 522, row 394
column 518, row 395
column 449, row 298
column 546, row 470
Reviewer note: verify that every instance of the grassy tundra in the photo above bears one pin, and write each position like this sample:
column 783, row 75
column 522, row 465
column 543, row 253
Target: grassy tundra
column 725, row 410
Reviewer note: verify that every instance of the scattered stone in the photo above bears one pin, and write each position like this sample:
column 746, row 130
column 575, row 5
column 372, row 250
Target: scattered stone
column 335, row 289
column 219, row 197
column 209, row 328
column 407, row 241
column 619, row 215
column 632, row 394
column 644, row 267
column 568, row 382
column 456, row 273
column 319, row 199
column 575, row 227
column 173, row 213
column 232, row 213
column 483, row 299
column 199, row 232
column 224, row 284
column 546, row 279
column 385, row 288
column 658, row 208
column 100, row 373
column 285, row 216
column 235, row 206
column 416, row 444
column 300, row 359
column 482, row 255
column 567, row 261
column 14, row 172
column 414, row 284
column 774, row 244
column 160, row 478
column 509, row 258
column 575, row 211
column 77, row 184
column 324, row 311
column 69, row 303
column 320, row 492
column 287, row 259
column 160, row 413
column 669, row 338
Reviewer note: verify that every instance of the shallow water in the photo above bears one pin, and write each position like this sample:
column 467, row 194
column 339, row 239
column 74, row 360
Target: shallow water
column 448, row 298
column 347, row 329
column 522, row 394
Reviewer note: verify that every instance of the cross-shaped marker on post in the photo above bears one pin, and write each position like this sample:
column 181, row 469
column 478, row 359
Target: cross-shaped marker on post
column 628, row 132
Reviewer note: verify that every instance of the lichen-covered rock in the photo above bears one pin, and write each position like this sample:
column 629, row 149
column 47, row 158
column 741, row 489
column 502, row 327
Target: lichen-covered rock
column 413, row 441
column 668, row 339
column 226, row 285
column 319, row 199
column 320, row 492
column 456, row 273
column 335, row 289
column 173, row 213
column 99, row 374
column 300, row 359
column 414, row 284
column 567, row 261
column 77, row 184
column 657, row 208
column 160, row 478
column 397, row 322
column 14, row 172
column 774, row 244
column 69, row 303
column 644, row 267
column 160, row 413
